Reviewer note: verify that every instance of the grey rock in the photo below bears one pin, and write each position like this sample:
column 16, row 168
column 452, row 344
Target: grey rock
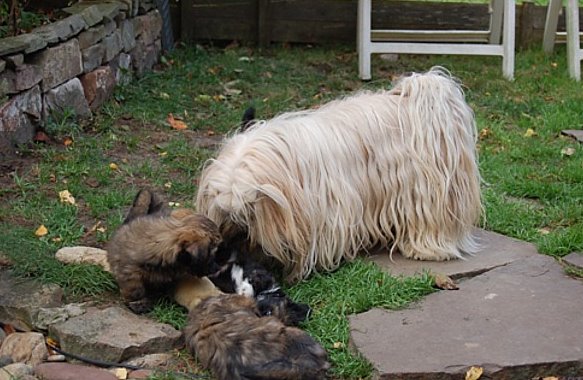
column 496, row 250
column 20, row 299
column 114, row 334
column 27, row 76
column 518, row 321
column 91, row 36
column 144, row 57
column 27, row 43
column 128, row 37
column 577, row 134
column 26, row 347
column 91, row 15
column 47, row 316
column 113, row 46
column 66, row 371
column 5, row 360
column 109, row 10
column 152, row 360
column 19, row 118
column 66, row 97
column 18, row 371
column 122, row 69
column 2, row 65
column 61, row 30
column 83, row 255
column 59, row 64
column 7, row 83
column 98, row 86
column 575, row 259
column 93, row 57
column 15, row 60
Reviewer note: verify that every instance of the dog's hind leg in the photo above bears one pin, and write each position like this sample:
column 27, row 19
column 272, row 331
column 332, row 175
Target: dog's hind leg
column 146, row 202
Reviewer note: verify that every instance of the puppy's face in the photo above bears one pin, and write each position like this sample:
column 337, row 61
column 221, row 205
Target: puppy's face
column 276, row 303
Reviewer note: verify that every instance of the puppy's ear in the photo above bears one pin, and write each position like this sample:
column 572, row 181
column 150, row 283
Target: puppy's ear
column 199, row 256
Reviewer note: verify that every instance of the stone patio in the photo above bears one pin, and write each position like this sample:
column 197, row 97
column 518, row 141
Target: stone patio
column 517, row 315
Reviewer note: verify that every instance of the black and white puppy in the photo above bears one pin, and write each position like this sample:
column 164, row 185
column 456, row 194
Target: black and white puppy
column 253, row 280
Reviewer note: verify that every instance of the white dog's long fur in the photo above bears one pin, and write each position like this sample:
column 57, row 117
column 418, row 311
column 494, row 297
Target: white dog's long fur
column 315, row 187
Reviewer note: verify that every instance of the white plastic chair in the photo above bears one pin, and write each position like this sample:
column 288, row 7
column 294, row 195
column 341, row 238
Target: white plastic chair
column 572, row 35
column 462, row 42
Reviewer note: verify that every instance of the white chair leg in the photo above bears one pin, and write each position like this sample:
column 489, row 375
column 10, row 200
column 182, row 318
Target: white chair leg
column 363, row 39
column 573, row 43
column 496, row 17
column 552, row 19
column 508, row 39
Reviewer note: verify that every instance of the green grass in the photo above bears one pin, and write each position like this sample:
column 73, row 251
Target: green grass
column 532, row 190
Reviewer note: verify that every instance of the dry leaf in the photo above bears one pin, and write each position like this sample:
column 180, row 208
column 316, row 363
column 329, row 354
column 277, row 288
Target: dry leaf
column 113, row 166
column 66, row 197
column 544, row 231
column 441, row 281
column 175, row 123
column 68, row 141
column 164, row 95
column 121, row 373
column 41, row 231
column 168, row 185
column 529, row 132
column 485, row 132
column 474, row 373
column 338, row 345
column 568, row 151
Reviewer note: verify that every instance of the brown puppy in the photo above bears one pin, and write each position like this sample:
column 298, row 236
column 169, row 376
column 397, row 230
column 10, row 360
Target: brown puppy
column 229, row 337
column 156, row 247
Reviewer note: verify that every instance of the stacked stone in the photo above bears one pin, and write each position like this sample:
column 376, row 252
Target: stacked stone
column 74, row 64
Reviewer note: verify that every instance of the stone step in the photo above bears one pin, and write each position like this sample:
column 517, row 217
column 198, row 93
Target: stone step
column 522, row 320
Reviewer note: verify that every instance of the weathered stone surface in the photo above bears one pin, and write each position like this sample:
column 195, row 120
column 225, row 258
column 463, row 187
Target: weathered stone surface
column 59, row 64
column 83, row 255
column 113, row 46
column 577, row 134
column 151, row 360
column 2, row 65
column 20, row 300
column 7, row 83
column 497, row 250
column 27, row 43
column 15, row 60
column 27, row 76
column 93, row 57
column 141, row 374
column 128, row 37
column 575, row 259
column 122, row 69
column 21, row 114
column 17, row 371
column 149, row 27
column 47, row 316
column 91, row 15
column 145, row 57
column 61, row 30
column 93, row 35
column 27, row 347
column 66, row 371
column 98, row 86
column 114, row 334
column 66, row 97
column 518, row 321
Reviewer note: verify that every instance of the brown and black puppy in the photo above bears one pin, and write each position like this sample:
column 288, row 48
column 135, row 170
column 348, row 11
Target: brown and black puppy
column 230, row 338
column 157, row 247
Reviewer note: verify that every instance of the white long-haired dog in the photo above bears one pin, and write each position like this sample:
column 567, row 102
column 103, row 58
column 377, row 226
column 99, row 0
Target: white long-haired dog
column 396, row 168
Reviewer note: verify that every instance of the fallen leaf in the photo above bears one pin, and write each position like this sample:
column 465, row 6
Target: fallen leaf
column 338, row 345
column 474, row 373
column 41, row 231
column 92, row 182
column 204, row 98
column 113, row 166
column 485, row 132
column 66, row 197
column 121, row 373
column 544, row 231
column 68, row 141
column 175, row 123
column 56, row 239
column 168, row 185
column 52, row 178
column 441, row 281
column 40, row 136
column 530, row 133
column 568, row 151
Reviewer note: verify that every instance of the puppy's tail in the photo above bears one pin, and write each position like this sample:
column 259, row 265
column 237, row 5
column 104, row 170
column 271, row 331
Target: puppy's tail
column 248, row 118
column 146, row 202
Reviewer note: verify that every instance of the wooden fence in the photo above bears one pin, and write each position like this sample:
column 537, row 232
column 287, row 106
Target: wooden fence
column 334, row 21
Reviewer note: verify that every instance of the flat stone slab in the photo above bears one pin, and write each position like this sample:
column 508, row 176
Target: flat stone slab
column 523, row 320
column 577, row 134
column 575, row 259
column 497, row 250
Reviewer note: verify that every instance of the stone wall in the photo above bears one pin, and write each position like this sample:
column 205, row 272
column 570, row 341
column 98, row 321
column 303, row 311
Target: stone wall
column 75, row 63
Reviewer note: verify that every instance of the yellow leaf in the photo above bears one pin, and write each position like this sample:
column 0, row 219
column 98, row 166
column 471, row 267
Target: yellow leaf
column 529, row 132
column 168, row 185
column 113, row 166
column 484, row 132
column 175, row 123
column 474, row 373
column 338, row 345
column 41, row 231
column 66, row 197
